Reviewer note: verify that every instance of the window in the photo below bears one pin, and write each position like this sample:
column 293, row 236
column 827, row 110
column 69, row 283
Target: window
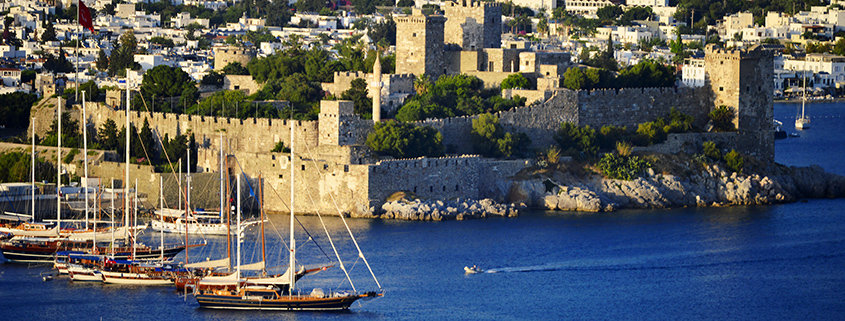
column 721, row 89
column 303, row 167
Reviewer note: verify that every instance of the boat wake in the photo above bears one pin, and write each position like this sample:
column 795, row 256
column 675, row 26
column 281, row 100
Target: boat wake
column 591, row 265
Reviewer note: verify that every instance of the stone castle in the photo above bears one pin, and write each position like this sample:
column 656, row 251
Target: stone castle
column 335, row 171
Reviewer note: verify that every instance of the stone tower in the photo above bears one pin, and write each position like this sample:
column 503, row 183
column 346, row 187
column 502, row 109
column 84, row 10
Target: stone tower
column 742, row 80
column 473, row 24
column 376, row 89
column 336, row 122
column 229, row 54
column 419, row 44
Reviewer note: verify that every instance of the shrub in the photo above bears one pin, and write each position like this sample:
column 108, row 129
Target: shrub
column 722, row 119
column 622, row 167
column 489, row 139
column 403, row 140
column 649, row 133
column 711, row 151
column 678, row 122
column 623, row 149
column 553, row 155
column 574, row 140
column 734, row 161
column 515, row 81
column 609, row 135
column 280, row 148
column 69, row 157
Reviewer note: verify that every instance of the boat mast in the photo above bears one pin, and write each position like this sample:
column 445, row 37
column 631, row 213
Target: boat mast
column 180, row 184
column 135, row 219
column 112, row 218
column 126, row 174
column 161, row 213
column 263, row 242
column 222, row 202
column 292, row 264
column 228, row 217
column 32, row 209
column 188, row 182
column 59, row 168
column 85, row 154
column 238, row 229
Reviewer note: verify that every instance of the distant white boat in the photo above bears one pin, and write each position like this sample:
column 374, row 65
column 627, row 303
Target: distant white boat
column 472, row 269
column 802, row 122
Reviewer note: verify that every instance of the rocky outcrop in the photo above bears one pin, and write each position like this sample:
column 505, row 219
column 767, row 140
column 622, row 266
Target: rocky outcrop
column 418, row 210
column 711, row 186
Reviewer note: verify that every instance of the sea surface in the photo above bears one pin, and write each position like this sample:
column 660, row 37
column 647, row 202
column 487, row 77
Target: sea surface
column 781, row 262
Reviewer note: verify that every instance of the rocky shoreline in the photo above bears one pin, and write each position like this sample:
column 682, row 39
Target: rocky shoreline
column 419, row 210
column 712, row 186
column 678, row 181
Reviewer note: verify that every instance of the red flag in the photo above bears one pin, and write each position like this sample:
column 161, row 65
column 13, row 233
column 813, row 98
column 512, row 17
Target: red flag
column 85, row 17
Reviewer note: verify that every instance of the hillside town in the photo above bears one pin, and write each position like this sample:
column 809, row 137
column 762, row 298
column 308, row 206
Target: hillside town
column 44, row 37
column 435, row 100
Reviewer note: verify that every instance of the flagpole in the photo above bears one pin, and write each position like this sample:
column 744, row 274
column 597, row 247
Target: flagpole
column 78, row 32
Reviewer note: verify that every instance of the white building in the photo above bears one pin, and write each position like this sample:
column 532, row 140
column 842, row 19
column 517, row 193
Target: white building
column 147, row 62
column 692, row 72
column 11, row 77
column 738, row 21
column 536, row 5
column 588, row 8
column 647, row 3
column 827, row 70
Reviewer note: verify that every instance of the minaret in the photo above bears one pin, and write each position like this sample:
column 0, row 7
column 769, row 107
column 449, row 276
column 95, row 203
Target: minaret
column 376, row 89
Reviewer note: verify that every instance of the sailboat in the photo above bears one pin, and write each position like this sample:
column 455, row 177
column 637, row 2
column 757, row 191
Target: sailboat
column 277, row 293
column 802, row 121
column 197, row 221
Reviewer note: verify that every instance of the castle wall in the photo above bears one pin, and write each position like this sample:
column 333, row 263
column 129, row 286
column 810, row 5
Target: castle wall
column 243, row 83
column 428, row 178
column 256, row 135
column 632, row 106
column 226, row 55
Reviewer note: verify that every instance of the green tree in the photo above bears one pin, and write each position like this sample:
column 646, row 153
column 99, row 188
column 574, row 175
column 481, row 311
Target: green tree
column 722, row 119
column 162, row 41
column 163, row 82
column 108, row 136
column 711, row 151
column 70, row 133
column 383, row 31
column 609, row 12
column 357, row 93
column 58, row 64
column 213, row 78
column 515, row 81
column 404, row 140
column 734, row 161
column 49, row 33
column 453, row 95
column 839, row 47
column 235, row 68
column 15, row 108
column 577, row 141
column 491, row 140
column 102, row 61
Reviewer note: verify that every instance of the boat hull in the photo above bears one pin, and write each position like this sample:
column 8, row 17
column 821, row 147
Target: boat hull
column 46, row 254
column 232, row 302
column 133, row 279
column 83, row 274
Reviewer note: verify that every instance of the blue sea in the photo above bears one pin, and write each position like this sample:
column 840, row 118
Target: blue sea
column 781, row 262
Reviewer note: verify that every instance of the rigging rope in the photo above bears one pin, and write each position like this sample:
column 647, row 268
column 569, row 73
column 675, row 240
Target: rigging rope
column 342, row 218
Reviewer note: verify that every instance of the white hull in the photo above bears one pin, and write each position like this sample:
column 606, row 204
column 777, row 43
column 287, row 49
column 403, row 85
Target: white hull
column 196, row 228
column 802, row 123
column 79, row 273
column 133, row 279
column 62, row 268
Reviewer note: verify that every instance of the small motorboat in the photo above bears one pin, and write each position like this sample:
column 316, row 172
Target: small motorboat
column 794, row 135
column 472, row 269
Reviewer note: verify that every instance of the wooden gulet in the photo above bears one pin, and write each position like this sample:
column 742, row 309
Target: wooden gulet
column 271, row 297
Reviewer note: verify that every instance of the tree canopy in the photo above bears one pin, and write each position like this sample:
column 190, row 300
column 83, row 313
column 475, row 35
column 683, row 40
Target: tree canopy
column 491, row 140
column 15, row 108
column 162, row 82
column 404, row 140
column 454, row 95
